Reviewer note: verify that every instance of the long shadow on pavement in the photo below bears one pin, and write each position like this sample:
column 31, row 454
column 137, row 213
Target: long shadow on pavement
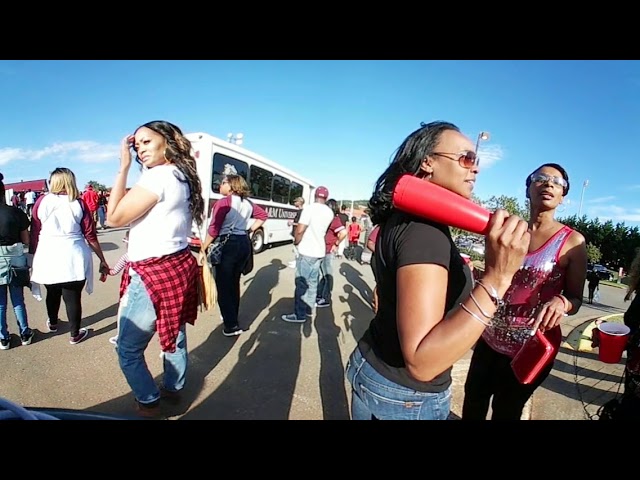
column 103, row 314
column 590, row 382
column 359, row 315
column 258, row 294
column 354, row 277
column 332, row 389
column 261, row 385
column 202, row 360
column 108, row 246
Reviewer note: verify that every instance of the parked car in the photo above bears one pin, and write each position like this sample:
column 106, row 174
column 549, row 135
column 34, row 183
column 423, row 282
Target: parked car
column 601, row 271
column 478, row 248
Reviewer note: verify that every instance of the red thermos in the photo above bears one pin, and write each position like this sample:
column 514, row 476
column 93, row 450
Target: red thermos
column 433, row 202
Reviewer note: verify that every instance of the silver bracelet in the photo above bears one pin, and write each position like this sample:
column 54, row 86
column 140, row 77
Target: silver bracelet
column 479, row 307
column 475, row 317
column 497, row 301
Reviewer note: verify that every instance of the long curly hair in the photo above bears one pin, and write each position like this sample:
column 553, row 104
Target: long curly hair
column 407, row 160
column 178, row 152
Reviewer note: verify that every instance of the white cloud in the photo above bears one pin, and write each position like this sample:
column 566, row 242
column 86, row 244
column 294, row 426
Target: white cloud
column 488, row 151
column 83, row 151
column 490, row 154
column 602, row 199
column 615, row 213
column 9, row 154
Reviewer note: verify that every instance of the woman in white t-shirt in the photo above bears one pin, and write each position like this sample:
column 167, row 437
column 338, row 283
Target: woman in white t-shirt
column 62, row 237
column 159, row 289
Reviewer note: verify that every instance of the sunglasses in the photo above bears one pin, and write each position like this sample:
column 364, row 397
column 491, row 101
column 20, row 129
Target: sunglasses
column 466, row 159
column 542, row 178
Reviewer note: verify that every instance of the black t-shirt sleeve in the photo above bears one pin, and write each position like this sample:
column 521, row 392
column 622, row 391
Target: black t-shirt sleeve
column 23, row 220
column 421, row 243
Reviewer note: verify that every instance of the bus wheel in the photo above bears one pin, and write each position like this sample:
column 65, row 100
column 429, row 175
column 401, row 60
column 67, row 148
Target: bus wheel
column 258, row 241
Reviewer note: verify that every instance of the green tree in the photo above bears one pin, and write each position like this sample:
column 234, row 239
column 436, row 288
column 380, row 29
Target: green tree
column 510, row 204
column 97, row 186
column 617, row 244
column 593, row 253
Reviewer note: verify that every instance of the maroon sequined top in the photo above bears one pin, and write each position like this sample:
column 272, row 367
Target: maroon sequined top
column 539, row 279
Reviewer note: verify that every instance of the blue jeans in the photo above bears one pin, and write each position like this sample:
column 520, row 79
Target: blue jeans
column 17, row 300
column 137, row 323
column 325, row 285
column 307, row 269
column 102, row 217
column 375, row 397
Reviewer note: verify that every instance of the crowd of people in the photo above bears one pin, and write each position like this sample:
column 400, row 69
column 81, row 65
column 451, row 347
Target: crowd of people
column 429, row 308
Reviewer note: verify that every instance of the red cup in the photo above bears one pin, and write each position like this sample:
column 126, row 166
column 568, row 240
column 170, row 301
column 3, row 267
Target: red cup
column 433, row 202
column 612, row 339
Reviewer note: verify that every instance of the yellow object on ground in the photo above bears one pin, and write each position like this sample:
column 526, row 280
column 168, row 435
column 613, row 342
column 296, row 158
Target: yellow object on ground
column 579, row 339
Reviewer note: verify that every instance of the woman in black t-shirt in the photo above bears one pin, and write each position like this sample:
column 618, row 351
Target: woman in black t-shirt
column 429, row 313
column 14, row 236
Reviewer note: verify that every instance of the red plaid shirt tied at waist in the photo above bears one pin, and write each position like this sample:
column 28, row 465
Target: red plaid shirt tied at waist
column 171, row 282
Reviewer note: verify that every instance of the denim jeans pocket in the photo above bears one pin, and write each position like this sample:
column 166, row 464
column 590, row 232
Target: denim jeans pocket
column 387, row 400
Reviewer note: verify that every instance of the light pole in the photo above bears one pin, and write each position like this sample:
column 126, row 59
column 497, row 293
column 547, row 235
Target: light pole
column 584, row 185
column 235, row 139
column 481, row 136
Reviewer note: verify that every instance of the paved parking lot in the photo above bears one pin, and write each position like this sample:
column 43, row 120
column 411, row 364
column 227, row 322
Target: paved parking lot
column 276, row 370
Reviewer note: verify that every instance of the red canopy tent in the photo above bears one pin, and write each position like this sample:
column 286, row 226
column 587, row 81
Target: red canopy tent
column 34, row 185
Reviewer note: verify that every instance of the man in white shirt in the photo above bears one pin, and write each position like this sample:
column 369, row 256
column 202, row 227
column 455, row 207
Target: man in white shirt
column 309, row 238
column 29, row 200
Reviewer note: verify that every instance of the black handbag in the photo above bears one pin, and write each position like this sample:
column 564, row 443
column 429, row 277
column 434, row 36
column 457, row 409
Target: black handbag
column 20, row 276
column 215, row 251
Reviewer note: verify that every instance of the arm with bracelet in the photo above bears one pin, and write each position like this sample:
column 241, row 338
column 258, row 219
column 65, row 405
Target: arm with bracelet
column 435, row 334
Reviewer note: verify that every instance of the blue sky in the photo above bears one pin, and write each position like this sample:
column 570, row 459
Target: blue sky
column 338, row 122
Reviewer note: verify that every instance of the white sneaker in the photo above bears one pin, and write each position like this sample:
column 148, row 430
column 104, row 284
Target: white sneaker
column 291, row 264
column 291, row 318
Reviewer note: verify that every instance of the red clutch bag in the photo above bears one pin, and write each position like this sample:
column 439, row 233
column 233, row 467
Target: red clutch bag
column 533, row 357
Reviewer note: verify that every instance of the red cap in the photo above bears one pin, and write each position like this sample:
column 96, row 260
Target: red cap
column 322, row 192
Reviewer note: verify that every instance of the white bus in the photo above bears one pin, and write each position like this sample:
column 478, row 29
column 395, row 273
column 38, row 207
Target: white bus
column 273, row 186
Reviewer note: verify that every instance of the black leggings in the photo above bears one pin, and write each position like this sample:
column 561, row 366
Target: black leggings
column 227, row 275
column 490, row 374
column 71, row 292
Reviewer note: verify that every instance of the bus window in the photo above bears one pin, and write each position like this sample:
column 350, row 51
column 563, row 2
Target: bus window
column 280, row 191
column 295, row 192
column 223, row 162
column 260, row 183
